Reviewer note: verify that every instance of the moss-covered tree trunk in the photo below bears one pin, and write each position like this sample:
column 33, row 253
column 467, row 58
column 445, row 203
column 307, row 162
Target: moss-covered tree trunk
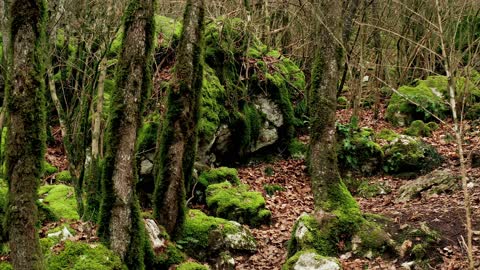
column 26, row 130
column 179, row 133
column 120, row 222
column 322, row 103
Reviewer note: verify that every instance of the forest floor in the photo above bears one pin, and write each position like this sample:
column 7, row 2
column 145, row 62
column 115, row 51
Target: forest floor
column 443, row 213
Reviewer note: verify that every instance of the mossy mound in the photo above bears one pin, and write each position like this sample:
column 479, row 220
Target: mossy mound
column 401, row 111
column 419, row 129
column 60, row 199
column 205, row 237
column 410, row 156
column 357, row 150
column 297, row 149
column 387, row 135
column 48, row 168
column 237, row 203
column 431, row 94
column 82, row 256
column 219, row 175
column 310, row 259
column 63, row 177
column 192, row 266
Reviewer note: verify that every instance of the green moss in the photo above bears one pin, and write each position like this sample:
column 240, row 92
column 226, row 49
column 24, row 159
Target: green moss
column 297, row 149
column 64, row 177
column 237, row 203
column 387, row 135
column 290, row 263
column 219, row 175
column 168, row 256
column 167, row 31
column 81, row 256
column 357, row 149
column 409, row 155
column 271, row 189
column 342, row 102
column 212, row 109
column 49, row 168
column 419, row 251
column 200, row 231
column 5, row 266
column 60, row 199
column 116, row 45
column 192, row 266
column 147, row 135
column 373, row 237
column 419, row 129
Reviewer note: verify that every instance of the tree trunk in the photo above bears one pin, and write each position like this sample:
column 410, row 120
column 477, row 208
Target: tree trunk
column 322, row 104
column 26, row 130
column 120, row 222
column 179, row 134
column 93, row 177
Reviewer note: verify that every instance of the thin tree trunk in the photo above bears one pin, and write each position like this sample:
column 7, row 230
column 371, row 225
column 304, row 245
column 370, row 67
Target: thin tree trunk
column 120, row 222
column 179, row 135
column 93, row 182
column 26, row 130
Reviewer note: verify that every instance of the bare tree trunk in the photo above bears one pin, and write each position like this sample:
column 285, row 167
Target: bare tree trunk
column 179, row 135
column 26, row 130
column 120, row 222
column 93, row 183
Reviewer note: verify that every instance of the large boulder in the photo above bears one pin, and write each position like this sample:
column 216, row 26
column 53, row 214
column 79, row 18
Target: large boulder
column 438, row 181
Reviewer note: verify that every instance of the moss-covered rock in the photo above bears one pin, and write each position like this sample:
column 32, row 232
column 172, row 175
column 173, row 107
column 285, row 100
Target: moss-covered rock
column 60, row 199
column 205, row 237
column 82, row 256
column 63, row 177
column 192, row 266
column 310, row 259
column 419, row 129
column 436, row 182
column 219, row 175
column 237, row 203
column 408, row 155
column 431, row 94
column 387, row 135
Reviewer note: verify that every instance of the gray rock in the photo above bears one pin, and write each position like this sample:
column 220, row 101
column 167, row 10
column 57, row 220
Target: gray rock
column 312, row 261
column 270, row 109
column 224, row 262
column 436, row 182
column 241, row 240
column 268, row 136
column 146, row 167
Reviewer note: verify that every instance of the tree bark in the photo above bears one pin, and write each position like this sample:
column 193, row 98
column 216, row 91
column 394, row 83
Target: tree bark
column 120, row 223
column 26, row 130
column 322, row 104
column 179, row 133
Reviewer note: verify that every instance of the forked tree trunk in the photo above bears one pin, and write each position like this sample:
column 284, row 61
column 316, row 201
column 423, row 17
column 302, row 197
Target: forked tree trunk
column 179, row 134
column 120, row 222
column 26, row 130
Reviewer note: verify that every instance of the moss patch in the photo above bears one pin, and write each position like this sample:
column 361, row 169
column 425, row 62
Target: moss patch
column 219, row 175
column 192, row 266
column 81, row 256
column 64, row 177
column 419, row 129
column 60, row 199
column 237, row 203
